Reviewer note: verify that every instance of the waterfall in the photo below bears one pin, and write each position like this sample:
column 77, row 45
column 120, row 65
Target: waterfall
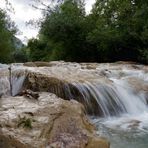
column 107, row 100
column 103, row 98
column 18, row 75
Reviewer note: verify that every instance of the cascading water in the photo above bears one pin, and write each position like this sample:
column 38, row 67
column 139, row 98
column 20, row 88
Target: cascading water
column 120, row 109
column 18, row 76
column 11, row 79
column 112, row 100
column 130, row 128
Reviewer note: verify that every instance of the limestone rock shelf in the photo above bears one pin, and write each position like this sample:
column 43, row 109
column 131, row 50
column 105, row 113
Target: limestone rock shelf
column 49, row 122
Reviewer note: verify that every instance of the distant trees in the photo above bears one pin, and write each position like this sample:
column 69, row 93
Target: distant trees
column 11, row 48
column 120, row 29
column 7, row 31
column 114, row 30
column 63, row 32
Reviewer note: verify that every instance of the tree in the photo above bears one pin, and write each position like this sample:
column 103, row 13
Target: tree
column 64, row 30
column 114, row 30
column 7, row 31
column 120, row 29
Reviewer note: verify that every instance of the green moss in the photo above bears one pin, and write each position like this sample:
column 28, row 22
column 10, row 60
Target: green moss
column 25, row 122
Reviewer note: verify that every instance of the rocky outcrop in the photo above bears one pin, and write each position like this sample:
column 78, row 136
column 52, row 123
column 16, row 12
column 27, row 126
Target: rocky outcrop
column 88, row 83
column 46, row 122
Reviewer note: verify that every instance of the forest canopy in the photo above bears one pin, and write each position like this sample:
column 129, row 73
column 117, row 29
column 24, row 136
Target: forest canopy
column 114, row 30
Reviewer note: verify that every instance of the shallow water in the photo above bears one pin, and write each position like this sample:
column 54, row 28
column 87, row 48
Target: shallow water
column 124, row 132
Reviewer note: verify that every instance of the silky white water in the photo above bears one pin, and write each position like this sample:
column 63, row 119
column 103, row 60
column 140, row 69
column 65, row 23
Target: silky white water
column 18, row 75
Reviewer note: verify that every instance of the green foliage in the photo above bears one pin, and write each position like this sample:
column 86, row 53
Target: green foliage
column 64, row 28
column 144, row 55
column 120, row 29
column 64, row 33
column 21, row 55
column 7, row 31
column 37, row 50
column 114, row 30
column 25, row 122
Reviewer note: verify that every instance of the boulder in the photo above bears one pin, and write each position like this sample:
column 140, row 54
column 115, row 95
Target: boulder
column 46, row 122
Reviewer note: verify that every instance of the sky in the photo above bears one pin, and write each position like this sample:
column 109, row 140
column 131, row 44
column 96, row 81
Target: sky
column 23, row 12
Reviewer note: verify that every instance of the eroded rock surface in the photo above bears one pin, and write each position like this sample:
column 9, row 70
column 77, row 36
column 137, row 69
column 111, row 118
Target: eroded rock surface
column 50, row 122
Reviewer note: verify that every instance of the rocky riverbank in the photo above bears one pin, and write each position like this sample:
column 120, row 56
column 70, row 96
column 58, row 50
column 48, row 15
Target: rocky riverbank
column 39, row 101
column 46, row 122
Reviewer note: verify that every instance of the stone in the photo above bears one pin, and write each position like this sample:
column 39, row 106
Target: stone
column 5, row 88
column 54, row 123
column 138, row 84
column 42, row 64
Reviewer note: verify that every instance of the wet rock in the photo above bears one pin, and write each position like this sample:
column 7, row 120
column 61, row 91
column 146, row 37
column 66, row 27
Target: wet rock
column 105, row 72
column 30, row 64
column 5, row 88
column 89, row 66
column 138, row 84
column 55, row 123
column 42, row 64
column 29, row 94
column 134, row 124
column 64, row 89
column 126, row 62
column 38, row 64
column 43, row 83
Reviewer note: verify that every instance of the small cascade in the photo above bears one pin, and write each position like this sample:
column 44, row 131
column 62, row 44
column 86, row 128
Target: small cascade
column 106, row 100
column 18, row 75
column 4, row 80
column 11, row 79
column 99, row 97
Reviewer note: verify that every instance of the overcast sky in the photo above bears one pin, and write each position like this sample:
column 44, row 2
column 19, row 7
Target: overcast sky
column 23, row 12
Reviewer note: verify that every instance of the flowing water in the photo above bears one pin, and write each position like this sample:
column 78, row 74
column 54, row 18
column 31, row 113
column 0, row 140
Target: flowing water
column 124, row 110
column 126, row 131
column 120, row 108
column 115, row 96
column 18, row 75
column 130, row 128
